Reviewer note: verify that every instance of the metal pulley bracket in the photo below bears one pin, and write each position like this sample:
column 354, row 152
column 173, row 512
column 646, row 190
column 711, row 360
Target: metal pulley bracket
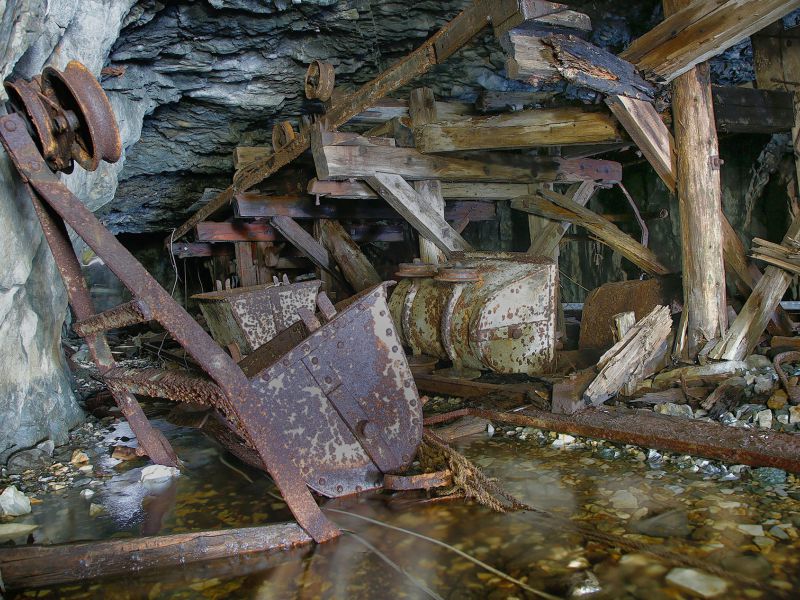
column 320, row 80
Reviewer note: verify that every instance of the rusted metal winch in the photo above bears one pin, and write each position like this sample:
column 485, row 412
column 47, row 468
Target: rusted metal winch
column 482, row 311
column 328, row 402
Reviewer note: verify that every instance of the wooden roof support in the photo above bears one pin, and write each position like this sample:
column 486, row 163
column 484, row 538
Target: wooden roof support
column 355, row 267
column 308, row 246
column 546, row 240
column 418, row 212
column 524, row 129
column 557, row 207
column 699, row 190
column 699, row 30
column 354, row 190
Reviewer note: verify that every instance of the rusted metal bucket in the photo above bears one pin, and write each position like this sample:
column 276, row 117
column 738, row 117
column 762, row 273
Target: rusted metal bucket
column 251, row 316
column 493, row 311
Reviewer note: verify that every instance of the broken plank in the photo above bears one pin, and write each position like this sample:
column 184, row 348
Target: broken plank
column 555, row 206
column 508, row 14
column 200, row 250
column 37, row 565
column 646, row 128
column 308, row 246
column 523, row 129
column 701, row 30
column 750, row 110
column 237, row 231
column 253, row 205
column 546, row 240
column 424, row 218
column 627, row 362
column 361, row 162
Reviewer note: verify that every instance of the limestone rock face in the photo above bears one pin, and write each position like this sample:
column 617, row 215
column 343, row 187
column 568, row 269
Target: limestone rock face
column 36, row 401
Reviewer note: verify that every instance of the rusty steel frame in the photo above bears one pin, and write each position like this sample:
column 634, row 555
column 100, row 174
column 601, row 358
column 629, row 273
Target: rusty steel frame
column 55, row 205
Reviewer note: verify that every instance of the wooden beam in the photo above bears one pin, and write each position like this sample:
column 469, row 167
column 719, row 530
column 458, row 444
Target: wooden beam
column 750, row 110
column 213, row 233
column 645, row 127
column 545, row 238
column 699, row 189
column 555, row 206
column 443, row 43
column 252, row 205
column 200, row 250
column 37, row 566
column 422, row 217
column 353, row 190
column 308, row 246
column 355, row 267
column 523, row 129
column 361, row 162
column 698, row 31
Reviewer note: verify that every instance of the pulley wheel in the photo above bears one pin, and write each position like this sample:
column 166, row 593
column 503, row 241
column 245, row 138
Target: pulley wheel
column 282, row 135
column 320, row 79
column 56, row 146
column 416, row 269
column 458, row 274
column 79, row 94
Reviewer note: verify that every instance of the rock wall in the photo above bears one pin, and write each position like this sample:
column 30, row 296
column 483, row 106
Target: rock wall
column 36, row 401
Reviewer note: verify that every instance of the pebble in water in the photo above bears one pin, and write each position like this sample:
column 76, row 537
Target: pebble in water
column 697, row 582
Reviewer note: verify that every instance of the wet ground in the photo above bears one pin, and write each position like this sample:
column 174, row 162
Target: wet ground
column 743, row 524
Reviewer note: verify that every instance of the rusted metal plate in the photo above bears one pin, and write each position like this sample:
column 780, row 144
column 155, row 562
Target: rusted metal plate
column 501, row 318
column 639, row 297
column 252, row 316
column 347, row 399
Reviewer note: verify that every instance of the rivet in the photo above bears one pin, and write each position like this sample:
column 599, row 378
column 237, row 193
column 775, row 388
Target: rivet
column 383, row 313
column 314, row 360
column 394, row 348
column 339, row 489
column 10, row 125
column 321, row 481
column 389, row 331
column 340, row 344
column 328, row 380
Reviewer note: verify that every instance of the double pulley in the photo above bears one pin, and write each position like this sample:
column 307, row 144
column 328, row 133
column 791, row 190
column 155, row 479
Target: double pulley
column 69, row 117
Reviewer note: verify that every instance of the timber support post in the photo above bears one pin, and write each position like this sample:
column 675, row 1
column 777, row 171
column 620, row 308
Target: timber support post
column 700, row 203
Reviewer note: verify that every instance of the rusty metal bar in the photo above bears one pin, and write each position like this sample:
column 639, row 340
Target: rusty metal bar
column 754, row 447
column 242, row 406
column 178, row 386
column 130, row 313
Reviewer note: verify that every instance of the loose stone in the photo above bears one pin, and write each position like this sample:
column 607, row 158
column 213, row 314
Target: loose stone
column 698, row 582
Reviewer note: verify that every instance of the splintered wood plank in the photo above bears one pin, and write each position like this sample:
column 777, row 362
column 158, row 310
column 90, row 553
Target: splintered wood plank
column 508, row 14
column 628, row 361
column 645, row 127
column 355, row 267
column 523, row 129
column 701, row 30
column 422, row 217
column 555, row 206
column 547, row 236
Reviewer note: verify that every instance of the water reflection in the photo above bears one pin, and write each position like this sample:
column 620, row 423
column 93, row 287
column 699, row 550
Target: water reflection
column 701, row 516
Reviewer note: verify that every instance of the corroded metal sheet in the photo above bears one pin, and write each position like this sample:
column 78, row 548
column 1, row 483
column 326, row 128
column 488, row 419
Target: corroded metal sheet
column 252, row 316
column 347, row 399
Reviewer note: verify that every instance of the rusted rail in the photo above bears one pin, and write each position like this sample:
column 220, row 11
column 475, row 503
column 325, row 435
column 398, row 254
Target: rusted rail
column 754, row 447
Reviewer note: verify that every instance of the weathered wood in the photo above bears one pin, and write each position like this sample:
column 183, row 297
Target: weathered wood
column 355, row 267
column 555, row 206
column 422, row 110
column 643, row 123
column 587, row 65
column 361, row 162
column 253, row 205
column 308, row 246
column 245, row 264
column 386, row 109
column 523, row 129
column 776, row 57
column 699, row 375
column 545, row 237
column 700, row 203
column 750, row 110
column 201, row 250
column 627, row 361
column 491, row 102
column 422, row 217
column 749, row 325
column 418, row 62
column 214, row 233
column 621, row 323
column 354, row 190
column 698, row 31
column 37, row 566
column 508, row 14
column 726, row 395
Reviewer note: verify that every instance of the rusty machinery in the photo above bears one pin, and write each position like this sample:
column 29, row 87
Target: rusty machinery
column 329, row 403
column 482, row 311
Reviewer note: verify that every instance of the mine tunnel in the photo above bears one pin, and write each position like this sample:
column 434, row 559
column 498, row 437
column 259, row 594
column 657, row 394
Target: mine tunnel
column 366, row 299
